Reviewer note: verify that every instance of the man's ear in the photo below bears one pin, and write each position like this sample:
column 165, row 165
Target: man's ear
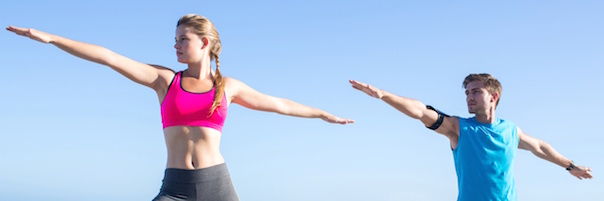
column 494, row 97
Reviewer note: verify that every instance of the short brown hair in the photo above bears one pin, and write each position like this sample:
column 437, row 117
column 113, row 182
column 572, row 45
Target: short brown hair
column 490, row 82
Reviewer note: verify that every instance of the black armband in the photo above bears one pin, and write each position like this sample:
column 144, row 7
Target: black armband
column 439, row 121
column 572, row 166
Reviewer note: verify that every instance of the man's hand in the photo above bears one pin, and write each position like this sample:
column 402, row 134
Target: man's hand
column 581, row 172
column 368, row 89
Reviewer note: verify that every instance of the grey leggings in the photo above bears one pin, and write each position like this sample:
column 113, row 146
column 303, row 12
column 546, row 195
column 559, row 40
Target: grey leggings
column 207, row 184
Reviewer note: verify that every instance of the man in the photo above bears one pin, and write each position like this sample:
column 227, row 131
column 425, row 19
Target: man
column 484, row 147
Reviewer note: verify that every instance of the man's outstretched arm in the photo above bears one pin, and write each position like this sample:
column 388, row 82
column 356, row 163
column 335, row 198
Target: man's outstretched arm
column 545, row 151
column 414, row 109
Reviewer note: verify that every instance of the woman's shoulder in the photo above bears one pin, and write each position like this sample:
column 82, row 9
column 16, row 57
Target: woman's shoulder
column 234, row 85
column 231, row 81
column 165, row 72
column 162, row 68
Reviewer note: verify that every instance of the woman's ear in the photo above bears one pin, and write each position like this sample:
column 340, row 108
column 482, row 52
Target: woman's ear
column 205, row 42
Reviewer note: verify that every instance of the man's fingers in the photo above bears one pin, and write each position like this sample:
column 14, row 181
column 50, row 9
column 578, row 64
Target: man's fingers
column 361, row 84
column 588, row 175
column 354, row 82
column 358, row 86
column 346, row 121
column 368, row 89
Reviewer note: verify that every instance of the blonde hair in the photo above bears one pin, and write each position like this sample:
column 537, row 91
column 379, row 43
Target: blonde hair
column 203, row 27
column 490, row 82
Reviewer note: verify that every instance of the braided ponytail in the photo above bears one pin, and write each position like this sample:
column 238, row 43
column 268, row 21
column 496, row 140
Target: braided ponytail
column 219, row 87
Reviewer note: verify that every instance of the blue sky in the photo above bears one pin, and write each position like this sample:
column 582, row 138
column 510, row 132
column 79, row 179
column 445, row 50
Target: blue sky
column 75, row 130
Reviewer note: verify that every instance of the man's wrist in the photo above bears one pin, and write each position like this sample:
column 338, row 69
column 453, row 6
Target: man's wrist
column 572, row 166
column 380, row 94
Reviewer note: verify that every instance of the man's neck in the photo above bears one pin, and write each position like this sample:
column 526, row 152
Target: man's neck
column 488, row 117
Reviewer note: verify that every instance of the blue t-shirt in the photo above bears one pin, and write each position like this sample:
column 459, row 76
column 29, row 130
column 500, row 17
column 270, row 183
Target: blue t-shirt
column 484, row 160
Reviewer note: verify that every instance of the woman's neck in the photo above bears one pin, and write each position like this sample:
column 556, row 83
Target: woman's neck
column 201, row 70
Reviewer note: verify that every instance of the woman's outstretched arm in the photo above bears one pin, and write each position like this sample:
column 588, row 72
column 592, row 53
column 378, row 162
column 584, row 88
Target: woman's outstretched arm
column 138, row 72
column 246, row 96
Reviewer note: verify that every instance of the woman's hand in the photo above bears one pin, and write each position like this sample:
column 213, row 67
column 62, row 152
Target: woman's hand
column 336, row 120
column 31, row 33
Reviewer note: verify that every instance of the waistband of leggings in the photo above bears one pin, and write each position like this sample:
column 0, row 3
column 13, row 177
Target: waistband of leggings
column 198, row 175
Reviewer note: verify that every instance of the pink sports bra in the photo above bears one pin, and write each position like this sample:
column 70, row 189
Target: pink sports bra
column 183, row 108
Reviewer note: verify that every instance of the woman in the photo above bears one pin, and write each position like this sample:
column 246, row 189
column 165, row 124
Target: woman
column 193, row 103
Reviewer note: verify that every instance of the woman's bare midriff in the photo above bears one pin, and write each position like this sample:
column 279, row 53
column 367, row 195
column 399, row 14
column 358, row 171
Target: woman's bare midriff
column 191, row 147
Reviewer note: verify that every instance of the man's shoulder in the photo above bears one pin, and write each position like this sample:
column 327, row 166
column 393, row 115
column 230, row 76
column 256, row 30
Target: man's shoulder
column 506, row 122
